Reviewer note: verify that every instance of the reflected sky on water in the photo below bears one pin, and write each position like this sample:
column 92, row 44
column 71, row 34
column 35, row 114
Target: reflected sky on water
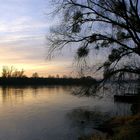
column 52, row 113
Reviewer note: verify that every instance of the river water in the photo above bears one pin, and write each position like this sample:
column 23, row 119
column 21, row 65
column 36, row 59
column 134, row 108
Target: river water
column 53, row 113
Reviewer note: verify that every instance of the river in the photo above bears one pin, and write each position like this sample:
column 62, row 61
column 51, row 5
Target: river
column 53, row 113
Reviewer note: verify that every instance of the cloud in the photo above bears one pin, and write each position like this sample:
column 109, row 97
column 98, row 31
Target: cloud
column 23, row 28
column 23, row 24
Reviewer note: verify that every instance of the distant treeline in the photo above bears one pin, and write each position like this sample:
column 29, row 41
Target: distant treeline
column 46, row 81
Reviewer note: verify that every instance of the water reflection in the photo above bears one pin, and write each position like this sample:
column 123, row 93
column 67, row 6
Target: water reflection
column 86, row 120
column 52, row 113
column 10, row 94
column 18, row 94
column 135, row 108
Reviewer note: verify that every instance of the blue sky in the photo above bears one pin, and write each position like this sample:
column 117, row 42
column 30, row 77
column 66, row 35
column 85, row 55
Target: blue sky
column 24, row 25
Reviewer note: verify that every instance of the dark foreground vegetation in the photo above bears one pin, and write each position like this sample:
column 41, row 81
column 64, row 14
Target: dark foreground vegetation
column 119, row 128
column 46, row 81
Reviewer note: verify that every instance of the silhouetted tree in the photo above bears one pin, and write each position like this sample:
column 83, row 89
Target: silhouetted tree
column 100, row 24
column 57, row 76
column 7, row 71
column 18, row 74
column 50, row 76
column 4, row 72
column 35, row 75
column 10, row 72
column 65, row 76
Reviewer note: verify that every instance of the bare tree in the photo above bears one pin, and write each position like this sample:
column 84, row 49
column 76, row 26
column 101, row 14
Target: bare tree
column 10, row 72
column 100, row 24
column 18, row 74
column 7, row 71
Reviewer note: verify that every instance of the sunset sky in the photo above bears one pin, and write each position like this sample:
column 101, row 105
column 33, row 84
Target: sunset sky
column 24, row 25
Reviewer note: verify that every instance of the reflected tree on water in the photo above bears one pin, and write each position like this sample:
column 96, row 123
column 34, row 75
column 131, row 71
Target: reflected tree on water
column 84, row 120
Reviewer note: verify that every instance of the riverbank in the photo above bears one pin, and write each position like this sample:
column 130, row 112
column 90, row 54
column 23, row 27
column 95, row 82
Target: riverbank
column 26, row 81
column 118, row 128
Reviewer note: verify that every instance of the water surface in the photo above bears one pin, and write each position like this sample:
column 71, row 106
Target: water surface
column 52, row 113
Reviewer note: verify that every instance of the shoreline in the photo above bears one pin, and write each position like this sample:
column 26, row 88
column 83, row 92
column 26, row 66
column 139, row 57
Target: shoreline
column 118, row 128
column 25, row 81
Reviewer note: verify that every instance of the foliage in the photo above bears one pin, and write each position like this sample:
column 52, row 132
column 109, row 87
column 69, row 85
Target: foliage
column 101, row 24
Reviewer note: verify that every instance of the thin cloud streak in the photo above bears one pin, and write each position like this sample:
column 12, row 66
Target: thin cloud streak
column 23, row 31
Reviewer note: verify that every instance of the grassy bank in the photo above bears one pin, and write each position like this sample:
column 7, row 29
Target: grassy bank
column 119, row 128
